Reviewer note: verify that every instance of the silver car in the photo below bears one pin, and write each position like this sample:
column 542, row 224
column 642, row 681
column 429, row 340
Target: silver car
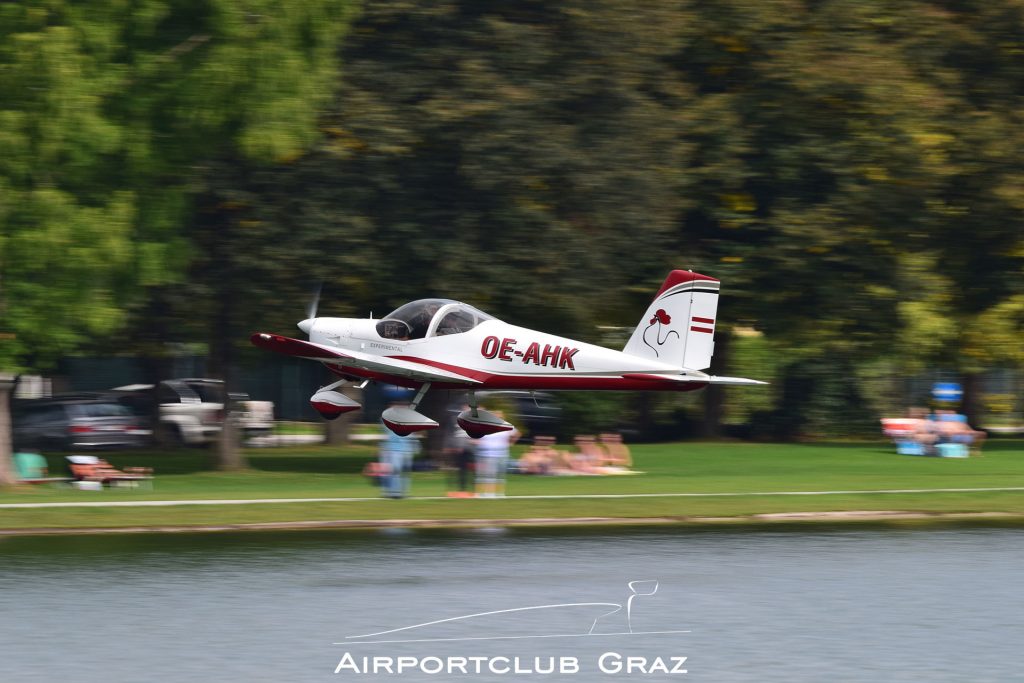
column 74, row 423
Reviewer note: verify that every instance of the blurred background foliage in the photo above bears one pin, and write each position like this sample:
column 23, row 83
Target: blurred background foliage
column 853, row 171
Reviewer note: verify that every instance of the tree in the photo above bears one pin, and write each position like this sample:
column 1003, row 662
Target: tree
column 254, row 93
column 66, row 253
column 494, row 149
column 561, row 159
column 111, row 118
column 835, row 148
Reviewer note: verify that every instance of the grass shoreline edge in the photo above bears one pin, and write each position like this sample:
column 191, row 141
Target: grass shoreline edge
column 683, row 484
column 777, row 520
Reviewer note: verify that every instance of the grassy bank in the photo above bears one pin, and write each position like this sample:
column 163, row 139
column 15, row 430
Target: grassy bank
column 700, row 468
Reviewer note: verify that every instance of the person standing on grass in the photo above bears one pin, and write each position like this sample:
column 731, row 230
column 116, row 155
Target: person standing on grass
column 492, row 461
column 459, row 448
column 396, row 455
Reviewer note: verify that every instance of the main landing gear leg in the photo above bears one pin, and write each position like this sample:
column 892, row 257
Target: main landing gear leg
column 336, row 385
column 342, row 382
column 419, row 395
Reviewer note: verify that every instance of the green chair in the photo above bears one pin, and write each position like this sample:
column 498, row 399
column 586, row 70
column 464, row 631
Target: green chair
column 30, row 466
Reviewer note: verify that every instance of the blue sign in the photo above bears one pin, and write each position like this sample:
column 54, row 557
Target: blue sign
column 947, row 392
column 395, row 394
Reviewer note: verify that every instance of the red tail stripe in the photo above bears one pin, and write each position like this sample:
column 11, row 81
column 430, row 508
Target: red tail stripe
column 678, row 277
column 709, row 321
column 694, row 328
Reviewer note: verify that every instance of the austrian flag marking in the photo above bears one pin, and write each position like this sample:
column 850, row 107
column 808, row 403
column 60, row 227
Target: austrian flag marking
column 705, row 321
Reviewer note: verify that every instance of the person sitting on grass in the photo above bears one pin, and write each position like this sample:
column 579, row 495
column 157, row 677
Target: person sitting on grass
column 618, row 452
column 540, row 458
column 953, row 428
column 589, row 458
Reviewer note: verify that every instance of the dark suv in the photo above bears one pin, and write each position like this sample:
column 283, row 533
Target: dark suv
column 74, row 423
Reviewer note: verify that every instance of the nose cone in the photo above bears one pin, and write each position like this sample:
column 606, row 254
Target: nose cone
column 307, row 325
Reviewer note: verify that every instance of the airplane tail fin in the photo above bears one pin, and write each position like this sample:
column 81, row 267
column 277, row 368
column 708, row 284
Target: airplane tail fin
column 679, row 325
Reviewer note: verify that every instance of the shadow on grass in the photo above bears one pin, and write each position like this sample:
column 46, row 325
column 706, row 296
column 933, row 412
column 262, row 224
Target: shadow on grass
column 318, row 464
column 316, row 460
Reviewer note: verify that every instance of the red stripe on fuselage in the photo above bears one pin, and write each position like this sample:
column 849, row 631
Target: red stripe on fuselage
column 546, row 382
column 694, row 328
column 458, row 370
column 707, row 321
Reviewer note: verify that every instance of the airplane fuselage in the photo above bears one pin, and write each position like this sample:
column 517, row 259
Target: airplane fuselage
column 500, row 356
column 447, row 344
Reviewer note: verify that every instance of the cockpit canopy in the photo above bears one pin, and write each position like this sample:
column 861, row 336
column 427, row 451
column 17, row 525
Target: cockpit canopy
column 430, row 318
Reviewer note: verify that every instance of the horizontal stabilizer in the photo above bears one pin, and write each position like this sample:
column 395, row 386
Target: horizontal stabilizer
column 738, row 381
column 693, row 377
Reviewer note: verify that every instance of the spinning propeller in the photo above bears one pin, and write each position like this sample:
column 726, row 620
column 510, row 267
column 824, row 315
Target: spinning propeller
column 307, row 324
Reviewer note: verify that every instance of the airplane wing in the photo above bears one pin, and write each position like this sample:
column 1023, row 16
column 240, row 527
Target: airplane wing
column 365, row 361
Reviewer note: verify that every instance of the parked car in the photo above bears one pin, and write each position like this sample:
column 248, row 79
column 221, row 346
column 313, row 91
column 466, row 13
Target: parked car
column 192, row 409
column 74, row 422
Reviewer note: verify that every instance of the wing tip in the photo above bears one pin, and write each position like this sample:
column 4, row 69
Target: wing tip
column 292, row 347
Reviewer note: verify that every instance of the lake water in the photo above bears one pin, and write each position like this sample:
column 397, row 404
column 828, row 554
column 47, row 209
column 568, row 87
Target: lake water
column 822, row 605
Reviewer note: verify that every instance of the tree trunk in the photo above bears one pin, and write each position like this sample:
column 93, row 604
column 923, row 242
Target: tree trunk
column 154, row 330
column 7, row 473
column 435, row 406
column 970, row 403
column 228, row 451
column 797, row 385
column 714, row 394
column 229, row 454
column 221, row 274
column 644, row 416
column 337, row 431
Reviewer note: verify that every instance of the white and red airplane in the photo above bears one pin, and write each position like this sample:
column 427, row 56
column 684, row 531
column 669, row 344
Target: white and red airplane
column 445, row 344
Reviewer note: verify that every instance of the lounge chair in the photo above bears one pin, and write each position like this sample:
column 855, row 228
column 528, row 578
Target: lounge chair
column 93, row 469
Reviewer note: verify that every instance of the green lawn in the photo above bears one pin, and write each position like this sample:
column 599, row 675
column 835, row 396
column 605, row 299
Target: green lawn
column 321, row 471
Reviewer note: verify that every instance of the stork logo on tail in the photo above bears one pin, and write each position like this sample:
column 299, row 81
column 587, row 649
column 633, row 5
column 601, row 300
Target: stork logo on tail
column 661, row 319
